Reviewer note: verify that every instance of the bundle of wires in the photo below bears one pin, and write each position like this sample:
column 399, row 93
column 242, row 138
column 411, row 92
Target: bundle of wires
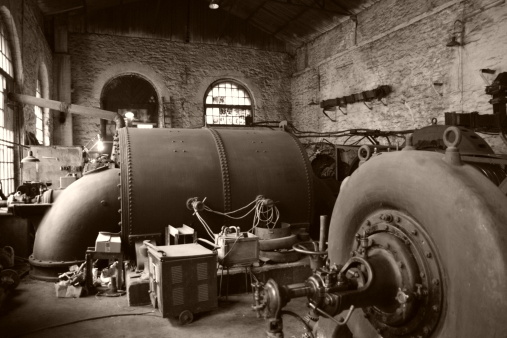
column 370, row 134
column 265, row 212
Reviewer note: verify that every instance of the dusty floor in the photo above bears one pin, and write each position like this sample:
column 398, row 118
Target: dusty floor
column 33, row 310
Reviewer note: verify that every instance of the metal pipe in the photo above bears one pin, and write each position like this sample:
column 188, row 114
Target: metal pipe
column 323, row 226
column 68, row 108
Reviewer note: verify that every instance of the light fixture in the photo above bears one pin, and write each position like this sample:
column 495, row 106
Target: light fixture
column 100, row 143
column 129, row 115
column 453, row 43
column 457, row 35
column 213, row 4
column 30, row 158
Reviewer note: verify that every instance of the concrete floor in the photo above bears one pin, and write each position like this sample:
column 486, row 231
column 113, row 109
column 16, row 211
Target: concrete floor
column 33, row 310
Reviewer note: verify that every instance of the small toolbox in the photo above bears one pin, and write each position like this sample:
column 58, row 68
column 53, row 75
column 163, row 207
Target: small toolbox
column 182, row 280
column 237, row 247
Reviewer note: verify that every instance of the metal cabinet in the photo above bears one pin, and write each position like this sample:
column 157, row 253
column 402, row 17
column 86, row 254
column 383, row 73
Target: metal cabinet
column 182, row 280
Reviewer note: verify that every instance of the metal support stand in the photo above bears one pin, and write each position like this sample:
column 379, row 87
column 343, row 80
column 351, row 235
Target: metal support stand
column 92, row 255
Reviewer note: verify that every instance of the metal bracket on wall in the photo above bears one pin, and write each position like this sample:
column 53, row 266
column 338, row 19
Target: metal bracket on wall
column 370, row 108
column 324, row 112
column 486, row 71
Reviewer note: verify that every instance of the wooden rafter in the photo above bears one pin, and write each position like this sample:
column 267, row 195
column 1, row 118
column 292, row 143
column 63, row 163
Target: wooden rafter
column 255, row 11
column 319, row 5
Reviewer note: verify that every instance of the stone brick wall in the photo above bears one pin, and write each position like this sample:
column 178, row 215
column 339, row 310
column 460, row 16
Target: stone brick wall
column 402, row 44
column 37, row 64
column 179, row 72
column 35, row 55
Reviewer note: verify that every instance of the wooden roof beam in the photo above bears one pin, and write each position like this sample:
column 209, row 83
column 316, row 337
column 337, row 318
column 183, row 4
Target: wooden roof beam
column 255, row 11
column 315, row 6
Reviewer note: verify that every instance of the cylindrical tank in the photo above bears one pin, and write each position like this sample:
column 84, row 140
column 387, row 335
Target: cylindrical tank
column 161, row 169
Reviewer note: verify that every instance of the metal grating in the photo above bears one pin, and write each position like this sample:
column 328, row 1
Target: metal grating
column 202, row 271
column 177, row 274
column 202, row 293
column 178, row 296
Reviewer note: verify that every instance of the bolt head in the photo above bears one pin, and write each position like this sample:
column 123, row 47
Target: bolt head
column 414, row 232
column 368, row 223
column 428, row 254
column 435, row 281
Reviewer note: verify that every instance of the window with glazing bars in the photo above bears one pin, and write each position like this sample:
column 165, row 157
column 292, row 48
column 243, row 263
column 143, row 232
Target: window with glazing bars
column 6, row 119
column 227, row 103
column 39, row 117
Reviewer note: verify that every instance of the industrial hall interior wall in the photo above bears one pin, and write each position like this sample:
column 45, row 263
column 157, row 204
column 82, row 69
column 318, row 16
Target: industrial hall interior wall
column 397, row 43
column 403, row 44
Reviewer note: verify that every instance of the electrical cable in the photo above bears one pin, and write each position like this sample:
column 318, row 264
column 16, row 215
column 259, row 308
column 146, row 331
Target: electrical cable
column 149, row 314
column 206, row 226
column 269, row 215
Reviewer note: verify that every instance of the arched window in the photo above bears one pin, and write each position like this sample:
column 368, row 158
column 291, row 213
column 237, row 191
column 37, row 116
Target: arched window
column 228, row 104
column 6, row 116
column 39, row 116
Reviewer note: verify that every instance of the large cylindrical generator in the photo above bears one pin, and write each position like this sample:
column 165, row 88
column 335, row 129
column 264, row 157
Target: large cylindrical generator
column 160, row 170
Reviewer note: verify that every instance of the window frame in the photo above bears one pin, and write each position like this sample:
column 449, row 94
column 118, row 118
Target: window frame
column 39, row 115
column 240, row 86
column 8, row 163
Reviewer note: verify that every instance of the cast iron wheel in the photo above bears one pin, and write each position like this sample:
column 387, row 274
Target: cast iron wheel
column 186, row 317
column 445, row 224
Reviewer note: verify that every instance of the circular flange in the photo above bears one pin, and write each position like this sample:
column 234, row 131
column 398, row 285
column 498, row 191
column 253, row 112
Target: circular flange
column 418, row 305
